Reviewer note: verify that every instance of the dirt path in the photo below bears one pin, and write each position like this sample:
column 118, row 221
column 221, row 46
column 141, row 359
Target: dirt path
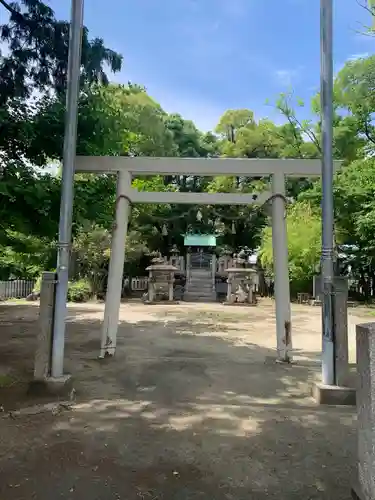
column 191, row 407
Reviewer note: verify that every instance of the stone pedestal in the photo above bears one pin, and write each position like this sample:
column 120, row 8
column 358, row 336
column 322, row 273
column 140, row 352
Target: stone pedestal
column 341, row 338
column 42, row 383
column 365, row 487
column 240, row 286
column 42, row 363
column 341, row 393
column 161, row 279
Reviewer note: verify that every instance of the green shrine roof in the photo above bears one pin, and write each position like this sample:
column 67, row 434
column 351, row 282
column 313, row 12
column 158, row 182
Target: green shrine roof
column 200, row 240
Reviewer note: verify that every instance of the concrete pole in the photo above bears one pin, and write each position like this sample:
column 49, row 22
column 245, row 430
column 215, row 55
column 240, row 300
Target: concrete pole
column 229, row 289
column 188, row 266
column 281, row 272
column 42, row 364
column 250, row 292
column 213, row 270
column 170, row 287
column 116, row 267
column 341, row 337
column 326, row 95
column 66, row 204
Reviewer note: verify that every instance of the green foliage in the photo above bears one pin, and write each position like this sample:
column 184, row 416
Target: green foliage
column 232, row 121
column 304, row 243
column 79, row 291
column 124, row 120
column 38, row 284
column 24, row 256
column 355, row 204
column 38, row 58
column 355, row 93
column 91, row 251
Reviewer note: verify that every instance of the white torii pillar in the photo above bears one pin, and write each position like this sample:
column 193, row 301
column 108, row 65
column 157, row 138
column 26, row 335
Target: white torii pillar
column 116, row 266
column 281, row 269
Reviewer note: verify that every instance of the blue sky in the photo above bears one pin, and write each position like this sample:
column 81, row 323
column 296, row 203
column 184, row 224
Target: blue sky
column 201, row 57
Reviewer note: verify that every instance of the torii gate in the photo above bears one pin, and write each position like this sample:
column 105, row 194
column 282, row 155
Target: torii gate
column 278, row 182
column 125, row 167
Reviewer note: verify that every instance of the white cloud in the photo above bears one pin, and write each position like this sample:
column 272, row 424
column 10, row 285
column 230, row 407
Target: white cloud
column 362, row 55
column 339, row 66
column 287, row 77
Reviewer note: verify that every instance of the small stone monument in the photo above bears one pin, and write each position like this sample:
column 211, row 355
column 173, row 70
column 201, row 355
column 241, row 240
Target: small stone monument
column 240, row 283
column 161, row 280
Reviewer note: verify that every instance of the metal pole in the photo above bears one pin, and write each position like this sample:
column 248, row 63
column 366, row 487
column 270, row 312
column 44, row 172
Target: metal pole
column 326, row 41
column 66, row 207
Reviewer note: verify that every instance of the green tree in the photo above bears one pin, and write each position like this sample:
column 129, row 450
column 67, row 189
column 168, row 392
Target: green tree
column 113, row 120
column 33, row 70
column 355, row 93
column 38, row 52
column 304, row 245
column 232, row 121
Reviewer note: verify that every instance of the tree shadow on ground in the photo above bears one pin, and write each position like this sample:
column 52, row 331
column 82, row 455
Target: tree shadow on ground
column 183, row 411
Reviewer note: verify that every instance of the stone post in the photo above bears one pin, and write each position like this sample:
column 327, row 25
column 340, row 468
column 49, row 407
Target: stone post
column 170, row 287
column 188, row 266
column 365, row 488
column 42, row 363
column 229, row 292
column 150, row 287
column 250, row 293
column 213, row 270
column 340, row 393
column 341, row 338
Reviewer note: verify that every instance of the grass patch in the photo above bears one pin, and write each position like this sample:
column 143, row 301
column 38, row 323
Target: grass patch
column 6, row 381
column 15, row 301
column 369, row 312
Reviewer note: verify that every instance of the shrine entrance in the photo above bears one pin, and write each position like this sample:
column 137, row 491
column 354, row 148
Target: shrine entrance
column 200, row 259
column 200, row 267
column 126, row 167
column 199, row 248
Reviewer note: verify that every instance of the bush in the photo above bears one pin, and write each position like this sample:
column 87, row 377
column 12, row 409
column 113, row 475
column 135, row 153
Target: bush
column 38, row 284
column 79, row 291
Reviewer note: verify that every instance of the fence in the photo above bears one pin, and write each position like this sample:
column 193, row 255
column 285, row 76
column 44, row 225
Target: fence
column 137, row 284
column 16, row 289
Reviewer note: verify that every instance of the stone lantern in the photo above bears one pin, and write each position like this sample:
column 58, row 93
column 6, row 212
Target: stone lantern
column 161, row 279
column 176, row 260
column 240, row 283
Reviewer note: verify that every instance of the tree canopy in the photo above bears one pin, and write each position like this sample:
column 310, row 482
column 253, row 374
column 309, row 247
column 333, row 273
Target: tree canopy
column 123, row 119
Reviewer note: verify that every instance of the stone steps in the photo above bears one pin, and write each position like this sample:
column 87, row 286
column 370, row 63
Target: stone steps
column 193, row 286
column 188, row 297
column 199, row 288
column 198, row 294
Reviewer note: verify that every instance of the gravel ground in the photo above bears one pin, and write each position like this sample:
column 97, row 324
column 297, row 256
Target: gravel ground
column 192, row 406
